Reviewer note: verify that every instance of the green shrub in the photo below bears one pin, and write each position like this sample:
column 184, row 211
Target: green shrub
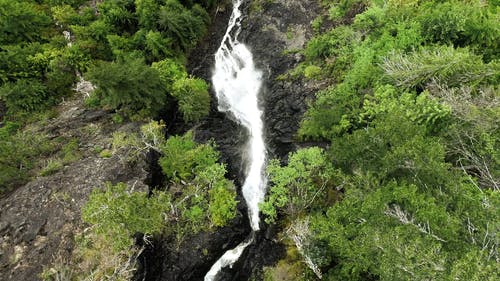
column 129, row 86
column 182, row 158
column 118, row 213
column 299, row 186
column 462, row 24
column 105, row 153
column 170, row 71
column 22, row 21
column 193, row 98
column 26, row 95
column 445, row 65
column 19, row 151
column 184, row 26
column 53, row 165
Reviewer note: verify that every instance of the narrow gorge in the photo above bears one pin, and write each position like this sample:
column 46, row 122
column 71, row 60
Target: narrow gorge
column 249, row 140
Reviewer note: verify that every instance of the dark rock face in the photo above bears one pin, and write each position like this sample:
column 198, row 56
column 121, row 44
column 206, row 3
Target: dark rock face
column 192, row 259
column 274, row 33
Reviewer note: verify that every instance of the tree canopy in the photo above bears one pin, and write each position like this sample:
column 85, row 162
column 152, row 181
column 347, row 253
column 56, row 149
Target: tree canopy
column 412, row 157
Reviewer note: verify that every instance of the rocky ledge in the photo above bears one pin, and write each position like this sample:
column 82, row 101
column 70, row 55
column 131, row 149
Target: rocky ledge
column 38, row 221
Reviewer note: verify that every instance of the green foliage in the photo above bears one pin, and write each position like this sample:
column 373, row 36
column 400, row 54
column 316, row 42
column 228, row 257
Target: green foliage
column 117, row 213
column 19, row 151
column 158, row 46
column 312, row 72
column 399, row 232
column 462, row 24
column 170, row 71
column 222, row 203
column 51, row 168
column 182, row 158
column 129, row 86
column 25, row 95
column 342, row 8
column 300, row 185
column 184, row 26
column 22, row 21
column 412, row 136
column 446, row 65
column 147, row 13
column 193, row 98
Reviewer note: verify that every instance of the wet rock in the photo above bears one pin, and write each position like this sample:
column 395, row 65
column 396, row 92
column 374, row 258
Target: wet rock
column 274, row 33
column 192, row 259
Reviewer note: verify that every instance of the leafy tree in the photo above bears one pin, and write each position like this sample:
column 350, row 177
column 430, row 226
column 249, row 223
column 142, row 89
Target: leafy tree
column 182, row 158
column 299, row 186
column 185, row 26
column 22, row 21
column 222, row 203
column 157, row 46
column 25, row 95
column 19, row 151
column 193, row 98
column 460, row 24
column 129, row 86
column 453, row 67
column 16, row 63
column 400, row 233
column 147, row 13
column 170, row 71
column 119, row 14
column 118, row 213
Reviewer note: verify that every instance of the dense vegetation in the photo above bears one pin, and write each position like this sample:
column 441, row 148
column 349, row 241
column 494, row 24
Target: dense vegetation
column 133, row 51
column 408, row 187
column 198, row 198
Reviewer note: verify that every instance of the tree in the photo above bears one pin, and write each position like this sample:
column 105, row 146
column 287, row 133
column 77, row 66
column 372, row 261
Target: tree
column 170, row 71
column 185, row 26
column 300, row 186
column 193, row 98
column 118, row 213
column 129, row 86
column 25, row 95
column 22, row 21
column 182, row 159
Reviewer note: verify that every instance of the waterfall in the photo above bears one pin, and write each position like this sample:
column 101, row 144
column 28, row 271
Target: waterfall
column 237, row 84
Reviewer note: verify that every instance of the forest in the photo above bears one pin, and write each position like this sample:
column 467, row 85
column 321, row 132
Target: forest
column 408, row 186
column 398, row 177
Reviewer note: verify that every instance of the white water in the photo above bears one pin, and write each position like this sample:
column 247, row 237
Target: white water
column 237, row 84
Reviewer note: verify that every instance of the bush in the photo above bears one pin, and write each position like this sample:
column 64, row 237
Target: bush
column 184, row 26
column 445, row 65
column 19, row 151
column 182, row 158
column 22, row 22
column 193, row 98
column 312, row 72
column 129, row 86
column 118, row 213
column 299, row 186
column 170, row 71
column 462, row 24
column 26, row 95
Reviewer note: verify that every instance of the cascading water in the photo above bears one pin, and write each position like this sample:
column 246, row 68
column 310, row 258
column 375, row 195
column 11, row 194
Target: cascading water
column 237, row 84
